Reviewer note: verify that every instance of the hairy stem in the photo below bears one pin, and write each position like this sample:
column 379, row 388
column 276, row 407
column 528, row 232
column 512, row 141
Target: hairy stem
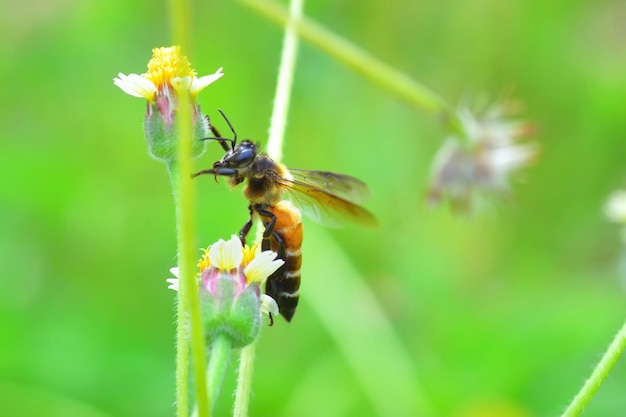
column 244, row 380
column 218, row 363
column 599, row 374
column 188, row 302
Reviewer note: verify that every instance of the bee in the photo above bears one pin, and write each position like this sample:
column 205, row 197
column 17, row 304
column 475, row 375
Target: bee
column 328, row 198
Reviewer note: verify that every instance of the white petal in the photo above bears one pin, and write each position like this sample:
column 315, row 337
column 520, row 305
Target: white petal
column 509, row 158
column 199, row 84
column 262, row 266
column 173, row 283
column 174, row 271
column 268, row 305
column 226, row 255
column 136, row 85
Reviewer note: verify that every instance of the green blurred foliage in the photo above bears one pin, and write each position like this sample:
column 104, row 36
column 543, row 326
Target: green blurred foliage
column 501, row 314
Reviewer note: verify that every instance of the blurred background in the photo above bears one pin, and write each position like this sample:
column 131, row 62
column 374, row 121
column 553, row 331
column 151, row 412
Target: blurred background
column 501, row 313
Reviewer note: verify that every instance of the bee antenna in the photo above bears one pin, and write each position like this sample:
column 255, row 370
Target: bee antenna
column 232, row 129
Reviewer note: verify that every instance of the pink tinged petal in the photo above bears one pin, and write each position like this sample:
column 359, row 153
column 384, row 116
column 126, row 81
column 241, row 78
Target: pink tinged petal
column 262, row 266
column 199, row 84
column 136, row 85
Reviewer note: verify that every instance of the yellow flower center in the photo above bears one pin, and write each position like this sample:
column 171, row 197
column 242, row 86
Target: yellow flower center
column 204, row 262
column 167, row 63
column 248, row 254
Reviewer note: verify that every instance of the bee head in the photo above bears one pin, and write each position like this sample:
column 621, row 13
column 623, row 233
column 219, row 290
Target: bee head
column 238, row 158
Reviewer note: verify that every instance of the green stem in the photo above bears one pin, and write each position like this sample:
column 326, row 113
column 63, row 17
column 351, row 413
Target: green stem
column 598, row 375
column 218, row 363
column 182, row 355
column 283, row 84
column 364, row 63
column 189, row 315
column 244, row 381
column 188, row 311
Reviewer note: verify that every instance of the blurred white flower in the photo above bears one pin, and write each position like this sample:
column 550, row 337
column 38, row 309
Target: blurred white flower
column 615, row 207
column 484, row 162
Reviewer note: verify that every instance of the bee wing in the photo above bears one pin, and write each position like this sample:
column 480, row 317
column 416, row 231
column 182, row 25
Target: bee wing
column 324, row 207
column 341, row 185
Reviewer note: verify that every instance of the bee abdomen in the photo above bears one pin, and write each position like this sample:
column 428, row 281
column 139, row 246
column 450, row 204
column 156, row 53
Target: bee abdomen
column 284, row 284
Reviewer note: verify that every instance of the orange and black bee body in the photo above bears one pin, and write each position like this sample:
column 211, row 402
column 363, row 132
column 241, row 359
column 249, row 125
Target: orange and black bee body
column 326, row 197
column 284, row 284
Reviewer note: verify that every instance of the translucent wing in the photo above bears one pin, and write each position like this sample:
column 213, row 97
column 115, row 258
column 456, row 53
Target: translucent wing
column 344, row 186
column 325, row 207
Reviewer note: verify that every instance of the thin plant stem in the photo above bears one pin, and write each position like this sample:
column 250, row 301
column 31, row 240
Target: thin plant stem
column 364, row 63
column 283, row 86
column 189, row 323
column 218, row 363
column 219, row 357
column 274, row 150
column 244, row 381
column 599, row 374
column 188, row 303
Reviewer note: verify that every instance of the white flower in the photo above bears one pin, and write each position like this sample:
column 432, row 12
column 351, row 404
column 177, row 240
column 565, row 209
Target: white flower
column 245, row 267
column 168, row 69
column 484, row 162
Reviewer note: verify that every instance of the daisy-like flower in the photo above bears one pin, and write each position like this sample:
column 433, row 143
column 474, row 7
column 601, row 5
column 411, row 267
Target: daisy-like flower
column 230, row 278
column 169, row 75
column 462, row 172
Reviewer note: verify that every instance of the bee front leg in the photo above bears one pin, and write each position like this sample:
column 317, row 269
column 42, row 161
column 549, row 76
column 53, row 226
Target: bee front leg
column 243, row 233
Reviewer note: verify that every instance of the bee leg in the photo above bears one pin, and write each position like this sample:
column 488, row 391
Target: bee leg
column 214, row 129
column 281, row 245
column 216, row 135
column 269, row 231
column 243, row 233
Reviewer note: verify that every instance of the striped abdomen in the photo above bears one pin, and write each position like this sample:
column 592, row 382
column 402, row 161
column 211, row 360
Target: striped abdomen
column 284, row 284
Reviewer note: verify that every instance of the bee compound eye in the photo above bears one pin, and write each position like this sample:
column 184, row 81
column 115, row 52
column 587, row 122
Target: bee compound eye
column 243, row 157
